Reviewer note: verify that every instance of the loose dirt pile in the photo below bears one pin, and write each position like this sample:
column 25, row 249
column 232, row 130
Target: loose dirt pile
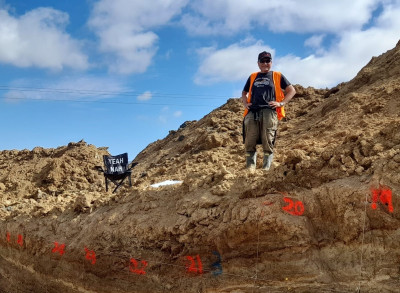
column 324, row 219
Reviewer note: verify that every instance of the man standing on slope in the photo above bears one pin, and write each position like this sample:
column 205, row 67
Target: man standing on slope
column 263, row 96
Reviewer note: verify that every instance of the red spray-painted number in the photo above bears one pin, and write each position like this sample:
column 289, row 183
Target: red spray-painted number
column 8, row 236
column 20, row 240
column 293, row 208
column 193, row 268
column 58, row 248
column 90, row 255
column 384, row 195
column 133, row 267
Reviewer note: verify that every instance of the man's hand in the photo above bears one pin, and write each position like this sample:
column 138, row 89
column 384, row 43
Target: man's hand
column 274, row 104
column 246, row 105
column 244, row 100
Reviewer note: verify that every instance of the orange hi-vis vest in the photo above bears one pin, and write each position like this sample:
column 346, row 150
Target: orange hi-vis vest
column 279, row 94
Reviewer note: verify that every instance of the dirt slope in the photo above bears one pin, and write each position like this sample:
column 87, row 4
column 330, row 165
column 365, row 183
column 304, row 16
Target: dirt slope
column 324, row 219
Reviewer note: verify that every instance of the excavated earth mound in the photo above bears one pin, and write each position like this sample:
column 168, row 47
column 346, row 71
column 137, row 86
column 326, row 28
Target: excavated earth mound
column 325, row 218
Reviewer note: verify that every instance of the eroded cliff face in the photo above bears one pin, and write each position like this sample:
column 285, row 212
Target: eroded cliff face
column 324, row 219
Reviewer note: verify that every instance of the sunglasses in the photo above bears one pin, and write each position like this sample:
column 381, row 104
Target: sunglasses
column 265, row 60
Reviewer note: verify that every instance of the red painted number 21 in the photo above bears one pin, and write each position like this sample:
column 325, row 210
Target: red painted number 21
column 193, row 268
column 293, row 208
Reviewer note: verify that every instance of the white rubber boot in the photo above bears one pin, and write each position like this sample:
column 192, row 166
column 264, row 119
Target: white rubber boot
column 268, row 161
column 251, row 158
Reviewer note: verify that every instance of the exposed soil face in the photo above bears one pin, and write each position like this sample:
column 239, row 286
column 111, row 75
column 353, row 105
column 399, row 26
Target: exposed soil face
column 325, row 218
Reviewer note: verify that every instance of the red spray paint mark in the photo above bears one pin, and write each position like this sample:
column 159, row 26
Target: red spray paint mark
column 8, row 237
column 90, row 255
column 58, row 248
column 20, row 240
column 193, row 268
column 293, row 208
column 284, row 193
column 266, row 203
column 133, row 267
column 384, row 195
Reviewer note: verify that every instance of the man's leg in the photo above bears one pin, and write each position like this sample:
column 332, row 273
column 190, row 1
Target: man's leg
column 252, row 133
column 269, row 126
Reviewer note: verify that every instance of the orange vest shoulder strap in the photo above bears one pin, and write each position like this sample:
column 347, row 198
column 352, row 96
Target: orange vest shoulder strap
column 277, row 83
column 252, row 79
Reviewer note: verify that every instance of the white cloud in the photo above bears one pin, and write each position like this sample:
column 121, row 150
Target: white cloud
column 235, row 62
column 68, row 88
column 163, row 119
column 315, row 43
column 14, row 96
column 222, row 17
column 145, row 96
column 38, row 39
column 177, row 114
column 166, row 114
column 124, row 29
column 342, row 61
column 325, row 67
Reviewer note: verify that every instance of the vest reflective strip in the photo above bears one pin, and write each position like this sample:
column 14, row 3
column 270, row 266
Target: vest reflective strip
column 279, row 95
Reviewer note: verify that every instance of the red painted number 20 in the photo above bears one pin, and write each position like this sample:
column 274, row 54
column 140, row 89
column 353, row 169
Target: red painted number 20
column 293, row 208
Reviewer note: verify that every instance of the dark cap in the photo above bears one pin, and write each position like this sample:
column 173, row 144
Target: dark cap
column 264, row 54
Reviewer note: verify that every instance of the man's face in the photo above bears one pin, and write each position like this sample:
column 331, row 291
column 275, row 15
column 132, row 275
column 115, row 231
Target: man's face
column 265, row 64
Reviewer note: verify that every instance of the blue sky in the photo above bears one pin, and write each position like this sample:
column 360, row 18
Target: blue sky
column 122, row 73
